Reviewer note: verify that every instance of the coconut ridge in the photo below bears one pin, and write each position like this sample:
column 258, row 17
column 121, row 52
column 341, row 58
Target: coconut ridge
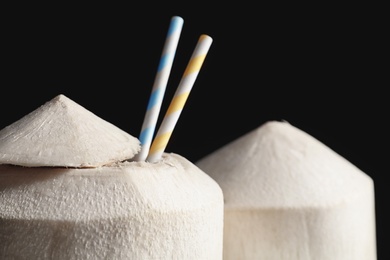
column 62, row 133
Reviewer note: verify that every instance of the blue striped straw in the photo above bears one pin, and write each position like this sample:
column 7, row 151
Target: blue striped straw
column 159, row 86
column 179, row 99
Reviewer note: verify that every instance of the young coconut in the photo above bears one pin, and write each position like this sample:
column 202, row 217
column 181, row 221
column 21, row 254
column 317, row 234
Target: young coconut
column 288, row 196
column 68, row 190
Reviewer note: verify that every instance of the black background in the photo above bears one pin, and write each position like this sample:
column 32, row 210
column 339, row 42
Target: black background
column 320, row 67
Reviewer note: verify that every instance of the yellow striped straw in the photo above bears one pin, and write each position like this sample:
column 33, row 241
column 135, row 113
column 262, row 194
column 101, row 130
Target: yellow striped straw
column 179, row 99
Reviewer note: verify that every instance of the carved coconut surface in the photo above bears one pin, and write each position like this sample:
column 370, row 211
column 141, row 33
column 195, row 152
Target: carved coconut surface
column 289, row 196
column 69, row 190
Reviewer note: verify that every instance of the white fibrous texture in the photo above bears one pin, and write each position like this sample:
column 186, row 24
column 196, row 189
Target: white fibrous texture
column 288, row 196
column 131, row 210
column 63, row 133
column 69, row 190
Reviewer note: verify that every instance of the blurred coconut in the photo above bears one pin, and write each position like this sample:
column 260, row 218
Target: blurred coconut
column 289, row 196
column 69, row 190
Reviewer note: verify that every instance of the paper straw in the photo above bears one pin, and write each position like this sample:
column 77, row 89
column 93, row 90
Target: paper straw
column 159, row 86
column 180, row 97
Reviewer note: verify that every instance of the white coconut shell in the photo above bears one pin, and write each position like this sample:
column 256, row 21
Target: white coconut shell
column 63, row 133
column 289, row 196
column 131, row 210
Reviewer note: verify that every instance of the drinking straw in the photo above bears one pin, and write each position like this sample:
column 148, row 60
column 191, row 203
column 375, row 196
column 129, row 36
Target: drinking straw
column 180, row 97
column 159, row 86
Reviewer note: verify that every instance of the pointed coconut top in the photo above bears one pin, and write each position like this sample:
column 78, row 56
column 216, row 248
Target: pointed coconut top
column 63, row 133
column 277, row 165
